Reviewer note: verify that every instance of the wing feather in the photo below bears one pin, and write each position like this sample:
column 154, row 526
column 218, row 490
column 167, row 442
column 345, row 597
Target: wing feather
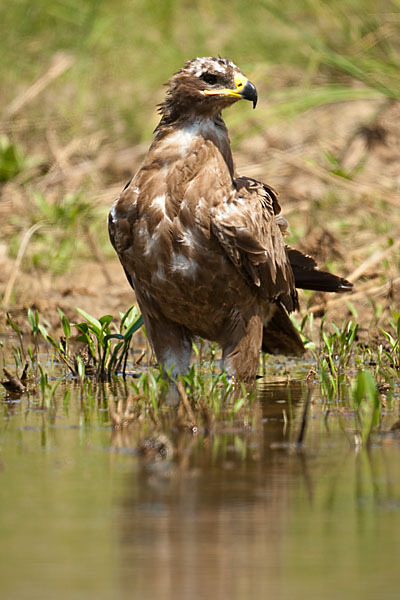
column 246, row 227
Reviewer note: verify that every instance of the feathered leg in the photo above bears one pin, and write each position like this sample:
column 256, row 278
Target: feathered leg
column 172, row 344
column 241, row 356
column 280, row 335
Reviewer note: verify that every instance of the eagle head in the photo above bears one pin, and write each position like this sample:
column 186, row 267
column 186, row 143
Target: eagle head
column 204, row 87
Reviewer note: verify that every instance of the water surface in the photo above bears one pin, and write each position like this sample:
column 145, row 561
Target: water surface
column 238, row 514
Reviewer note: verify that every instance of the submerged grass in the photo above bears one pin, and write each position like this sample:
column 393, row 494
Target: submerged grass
column 351, row 379
column 100, row 352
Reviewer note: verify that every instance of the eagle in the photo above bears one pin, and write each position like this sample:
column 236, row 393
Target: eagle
column 202, row 247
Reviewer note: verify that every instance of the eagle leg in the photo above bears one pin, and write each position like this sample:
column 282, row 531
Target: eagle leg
column 241, row 356
column 280, row 335
column 171, row 343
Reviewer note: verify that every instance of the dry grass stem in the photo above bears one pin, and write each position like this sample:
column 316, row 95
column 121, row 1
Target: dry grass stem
column 60, row 63
column 370, row 262
column 366, row 291
column 357, row 188
column 99, row 255
column 18, row 260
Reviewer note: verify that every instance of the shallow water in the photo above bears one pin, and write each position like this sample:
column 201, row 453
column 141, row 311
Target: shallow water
column 239, row 514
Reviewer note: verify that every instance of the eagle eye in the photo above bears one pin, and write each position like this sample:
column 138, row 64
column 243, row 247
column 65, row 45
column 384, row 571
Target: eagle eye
column 209, row 78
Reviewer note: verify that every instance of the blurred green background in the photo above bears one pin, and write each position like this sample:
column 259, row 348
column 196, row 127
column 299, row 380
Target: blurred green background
column 123, row 51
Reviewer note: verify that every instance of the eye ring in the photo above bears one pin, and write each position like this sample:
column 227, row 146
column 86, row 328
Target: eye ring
column 209, row 78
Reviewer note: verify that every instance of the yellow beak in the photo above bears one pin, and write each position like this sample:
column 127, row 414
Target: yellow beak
column 243, row 89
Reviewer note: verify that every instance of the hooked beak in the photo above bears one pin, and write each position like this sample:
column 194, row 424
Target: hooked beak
column 243, row 89
column 249, row 92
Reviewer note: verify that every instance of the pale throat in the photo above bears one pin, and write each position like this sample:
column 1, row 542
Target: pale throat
column 182, row 140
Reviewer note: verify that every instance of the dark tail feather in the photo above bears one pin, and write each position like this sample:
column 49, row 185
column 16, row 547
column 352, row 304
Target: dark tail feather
column 308, row 277
column 320, row 281
column 280, row 335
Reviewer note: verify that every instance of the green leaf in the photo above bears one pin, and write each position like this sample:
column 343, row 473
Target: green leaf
column 95, row 323
column 81, row 367
column 129, row 316
column 65, row 323
column 113, row 336
column 82, row 327
column 33, row 318
column 13, row 325
column 48, row 337
column 238, row 405
column 106, row 320
column 137, row 324
column 366, row 397
column 114, row 356
column 82, row 338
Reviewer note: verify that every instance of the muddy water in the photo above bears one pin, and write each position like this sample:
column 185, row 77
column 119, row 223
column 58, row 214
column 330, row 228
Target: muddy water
column 235, row 515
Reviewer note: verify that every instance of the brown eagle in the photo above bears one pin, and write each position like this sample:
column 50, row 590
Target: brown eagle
column 202, row 247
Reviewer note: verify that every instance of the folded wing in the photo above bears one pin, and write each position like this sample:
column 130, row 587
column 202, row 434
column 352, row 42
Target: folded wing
column 246, row 228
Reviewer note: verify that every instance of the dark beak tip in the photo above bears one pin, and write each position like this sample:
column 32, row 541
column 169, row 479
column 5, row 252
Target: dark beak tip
column 250, row 93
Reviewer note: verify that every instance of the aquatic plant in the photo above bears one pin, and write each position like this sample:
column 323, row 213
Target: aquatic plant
column 106, row 350
column 365, row 396
column 333, row 359
column 47, row 389
column 393, row 353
